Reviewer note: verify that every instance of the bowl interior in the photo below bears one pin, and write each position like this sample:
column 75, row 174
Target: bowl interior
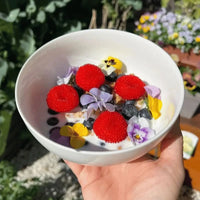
column 140, row 56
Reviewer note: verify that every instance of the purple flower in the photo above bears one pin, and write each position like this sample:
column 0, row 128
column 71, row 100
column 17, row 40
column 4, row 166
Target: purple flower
column 153, row 91
column 196, row 26
column 65, row 80
column 97, row 99
column 56, row 137
column 138, row 132
column 171, row 17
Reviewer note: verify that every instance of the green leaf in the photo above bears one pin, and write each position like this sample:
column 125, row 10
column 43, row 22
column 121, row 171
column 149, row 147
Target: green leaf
column 3, row 97
column 137, row 5
column 197, row 14
column 11, row 17
column 164, row 3
column 27, row 43
column 77, row 27
column 50, row 7
column 6, row 26
column 5, row 120
column 3, row 69
column 60, row 4
column 31, row 7
column 41, row 16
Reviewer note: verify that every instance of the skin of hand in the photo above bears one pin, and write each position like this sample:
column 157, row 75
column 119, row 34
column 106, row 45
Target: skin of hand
column 142, row 179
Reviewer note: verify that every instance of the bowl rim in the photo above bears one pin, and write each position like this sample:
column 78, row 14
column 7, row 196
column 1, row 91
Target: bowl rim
column 106, row 152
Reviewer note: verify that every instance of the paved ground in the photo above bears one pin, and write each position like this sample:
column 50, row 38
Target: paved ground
column 56, row 179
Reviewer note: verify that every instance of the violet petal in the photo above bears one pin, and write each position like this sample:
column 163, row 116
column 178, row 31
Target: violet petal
column 153, row 91
column 110, row 107
column 86, row 99
column 106, row 97
column 93, row 106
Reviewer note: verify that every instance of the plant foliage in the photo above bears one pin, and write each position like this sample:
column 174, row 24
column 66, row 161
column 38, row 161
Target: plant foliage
column 25, row 26
column 12, row 189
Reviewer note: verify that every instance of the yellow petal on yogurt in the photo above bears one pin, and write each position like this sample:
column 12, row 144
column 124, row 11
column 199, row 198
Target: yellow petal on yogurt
column 80, row 129
column 116, row 63
column 66, row 131
column 77, row 142
column 155, row 106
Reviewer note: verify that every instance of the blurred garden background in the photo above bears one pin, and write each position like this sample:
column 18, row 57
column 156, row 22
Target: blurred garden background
column 25, row 25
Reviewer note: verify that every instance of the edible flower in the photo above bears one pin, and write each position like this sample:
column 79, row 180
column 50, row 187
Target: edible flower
column 97, row 99
column 197, row 39
column 139, row 131
column 65, row 80
column 110, row 65
column 76, row 134
column 188, row 82
column 154, row 100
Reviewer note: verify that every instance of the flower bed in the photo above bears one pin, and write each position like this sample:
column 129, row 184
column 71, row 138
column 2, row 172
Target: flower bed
column 167, row 28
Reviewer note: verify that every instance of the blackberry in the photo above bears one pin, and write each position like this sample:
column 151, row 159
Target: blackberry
column 106, row 88
column 112, row 77
column 129, row 110
column 52, row 112
column 130, row 102
column 78, row 89
column 89, row 123
column 69, row 123
column 145, row 113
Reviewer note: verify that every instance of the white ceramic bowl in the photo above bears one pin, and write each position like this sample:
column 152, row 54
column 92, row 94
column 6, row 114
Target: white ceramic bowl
column 140, row 56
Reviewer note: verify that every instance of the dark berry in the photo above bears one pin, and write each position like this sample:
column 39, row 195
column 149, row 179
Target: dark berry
column 89, row 123
column 130, row 102
column 78, row 89
column 106, row 88
column 129, row 111
column 52, row 121
column 120, row 75
column 70, row 123
column 52, row 112
column 145, row 113
column 112, row 77
column 102, row 144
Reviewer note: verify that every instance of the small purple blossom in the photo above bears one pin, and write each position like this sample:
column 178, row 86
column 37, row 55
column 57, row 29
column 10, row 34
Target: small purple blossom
column 65, row 80
column 137, row 132
column 56, row 137
column 97, row 99
column 153, row 91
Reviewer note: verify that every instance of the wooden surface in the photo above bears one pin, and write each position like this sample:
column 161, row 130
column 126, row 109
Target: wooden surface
column 192, row 165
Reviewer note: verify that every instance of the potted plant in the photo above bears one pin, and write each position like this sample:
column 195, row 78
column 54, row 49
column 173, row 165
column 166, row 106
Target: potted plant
column 177, row 34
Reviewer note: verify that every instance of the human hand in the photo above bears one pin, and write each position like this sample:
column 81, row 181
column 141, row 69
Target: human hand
column 142, row 179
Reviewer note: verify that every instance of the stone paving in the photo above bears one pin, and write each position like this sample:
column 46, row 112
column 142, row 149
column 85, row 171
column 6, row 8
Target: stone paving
column 56, row 179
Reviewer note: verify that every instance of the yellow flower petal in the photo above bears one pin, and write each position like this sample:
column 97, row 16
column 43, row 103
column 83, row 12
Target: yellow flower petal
column 146, row 29
column 139, row 27
column 142, row 19
column 66, row 131
column 116, row 63
column 155, row 106
column 197, row 39
column 80, row 129
column 189, row 87
column 77, row 142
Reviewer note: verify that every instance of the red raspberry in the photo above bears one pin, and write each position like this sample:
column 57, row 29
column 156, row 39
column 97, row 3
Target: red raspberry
column 129, row 87
column 89, row 76
column 110, row 127
column 62, row 98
